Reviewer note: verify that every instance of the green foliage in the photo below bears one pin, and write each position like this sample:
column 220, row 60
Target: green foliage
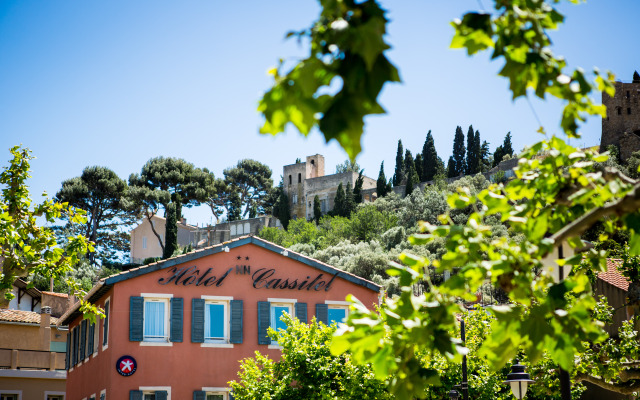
column 317, row 212
column 398, row 175
column 357, row 188
column 349, row 201
column 249, row 184
column 346, row 44
column 281, row 208
column 339, row 202
column 306, row 369
column 418, row 163
column 431, row 163
column 348, row 166
column 451, row 168
column 368, row 223
column 27, row 248
column 636, row 77
column 171, row 231
column 473, row 155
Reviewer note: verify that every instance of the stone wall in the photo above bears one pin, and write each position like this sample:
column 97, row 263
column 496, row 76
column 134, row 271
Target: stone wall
column 621, row 127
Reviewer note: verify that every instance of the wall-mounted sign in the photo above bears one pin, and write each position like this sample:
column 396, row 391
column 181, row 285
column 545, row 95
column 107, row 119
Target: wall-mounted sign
column 126, row 365
column 263, row 278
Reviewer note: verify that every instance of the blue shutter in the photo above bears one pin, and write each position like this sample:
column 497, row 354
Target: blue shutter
column 75, row 346
column 176, row 320
column 236, row 321
column 264, row 320
column 230, row 395
column 136, row 314
column 67, row 357
column 105, row 332
column 322, row 313
column 301, row 312
column 90, row 344
column 83, row 338
column 161, row 395
column 199, row 395
column 135, row 395
column 197, row 320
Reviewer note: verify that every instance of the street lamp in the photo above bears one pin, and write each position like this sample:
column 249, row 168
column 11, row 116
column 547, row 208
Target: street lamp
column 519, row 380
column 454, row 395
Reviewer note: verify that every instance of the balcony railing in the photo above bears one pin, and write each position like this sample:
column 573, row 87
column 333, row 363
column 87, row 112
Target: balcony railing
column 31, row 359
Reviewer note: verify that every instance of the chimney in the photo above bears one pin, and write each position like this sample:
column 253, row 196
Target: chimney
column 183, row 221
column 45, row 327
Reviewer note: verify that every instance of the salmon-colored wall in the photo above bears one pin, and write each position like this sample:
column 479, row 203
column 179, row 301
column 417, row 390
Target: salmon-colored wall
column 187, row 366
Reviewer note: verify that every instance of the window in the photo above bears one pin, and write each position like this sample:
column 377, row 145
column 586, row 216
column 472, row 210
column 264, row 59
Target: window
column 337, row 314
column 323, row 206
column 9, row 396
column 619, row 110
column 299, row 177
column 247, row 228
column 217, row 396
column 629, row 110
column 277, row 310
column 58, row 397
column 295, row 199
column 156, row 312
column 290, row 180
column 216, row 317
column 144, row 242
column 150, row 396
column 105, row 325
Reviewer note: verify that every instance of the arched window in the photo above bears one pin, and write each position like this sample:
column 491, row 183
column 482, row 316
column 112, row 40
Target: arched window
column 313, row 162
column 619, row 110
column 290, row 180
column 629, row 110
column 299, row 177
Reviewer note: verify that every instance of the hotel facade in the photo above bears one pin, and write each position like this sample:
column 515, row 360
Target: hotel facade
column 177, row 329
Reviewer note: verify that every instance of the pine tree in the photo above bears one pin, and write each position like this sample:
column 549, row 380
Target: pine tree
column 317, row 211
column 451, row 168
column 171, row 231
column 418, row 165
column 470, row 167
column 357, row 188
column 430, row 159
column 458, row 153
column 349, row 202
column 339, row 201
column 381, row 183
column 398, row 176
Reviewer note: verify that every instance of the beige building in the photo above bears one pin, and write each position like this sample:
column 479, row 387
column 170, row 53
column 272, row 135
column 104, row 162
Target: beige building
column 144, row 242
column 305, row 180
column 32, row 349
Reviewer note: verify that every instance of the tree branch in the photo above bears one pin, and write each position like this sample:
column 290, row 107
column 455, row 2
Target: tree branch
column 618, row 388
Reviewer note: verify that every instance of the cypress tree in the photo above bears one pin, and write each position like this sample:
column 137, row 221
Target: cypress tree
column 470, row 167
column 317, row 211
column 458, row 153
column 408, row 164
column 171, row 231
column 412, row 182
column 451, row 168
column 485, row 163
column 506, row 146
column 281, row 208
column 477, row 150
column 430, row 159
column 418, row 165
column 349, row 202
column 357, row 188
column 497, row 155
column 398, row 176
column 339, row 201
column 381, row 183
column 636, row 77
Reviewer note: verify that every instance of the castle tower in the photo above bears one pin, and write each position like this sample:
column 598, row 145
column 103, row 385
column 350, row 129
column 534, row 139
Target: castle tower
column 621, row 127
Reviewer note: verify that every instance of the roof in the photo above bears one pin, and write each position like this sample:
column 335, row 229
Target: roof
column 613, row 275
column 26, row 317
column 63, row 295
column 33, row 292
column 179, row 223
column 105, row 284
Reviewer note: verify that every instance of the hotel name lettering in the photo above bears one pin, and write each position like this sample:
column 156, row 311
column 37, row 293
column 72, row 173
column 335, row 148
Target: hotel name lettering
column 262, row 278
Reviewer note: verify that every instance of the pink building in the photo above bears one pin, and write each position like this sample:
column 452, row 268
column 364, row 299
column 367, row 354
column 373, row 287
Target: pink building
column 178, row 328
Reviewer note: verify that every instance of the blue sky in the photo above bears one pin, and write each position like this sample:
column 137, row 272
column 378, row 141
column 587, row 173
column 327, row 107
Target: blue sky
column 116, row 83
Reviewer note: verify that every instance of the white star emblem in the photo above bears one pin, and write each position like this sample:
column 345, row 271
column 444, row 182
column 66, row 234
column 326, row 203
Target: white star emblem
column 126, row 365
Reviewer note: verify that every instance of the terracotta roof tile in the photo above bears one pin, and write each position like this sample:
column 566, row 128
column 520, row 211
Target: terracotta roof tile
column 66, row 296
column 613, row 276
column 27, row 317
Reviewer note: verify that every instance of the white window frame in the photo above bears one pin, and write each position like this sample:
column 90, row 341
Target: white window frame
column 341, row 305
column 18, row 392
column 103, row 391
column 157, row 297
column 153, row 389
column 226, row 301
column 107, row 317
column 49, row 393
column 277, row 302
column 217, row 390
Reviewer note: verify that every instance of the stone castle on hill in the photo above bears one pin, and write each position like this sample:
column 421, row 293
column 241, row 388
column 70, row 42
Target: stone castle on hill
column 621, row 127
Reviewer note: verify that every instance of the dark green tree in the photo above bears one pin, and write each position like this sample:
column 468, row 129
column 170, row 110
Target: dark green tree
column 477, row 151
column 471, row 167
column 451, row 168
column 506, row 145
column 234, row 207
column 317, row 211
column 349, row 201
column 418, row 166
column 103, row 196
column 409, row 164
column 281, row 208
column 458, row 154
column 339, row 201
column 381, row 183
column 171, row 231
column 485, row 157
column 347, row 166
column 636, row 77
column 498, row 155
column 398, row 175
column 412, row 182
column 430, row 159
column 357, row 188
column 251, row 182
